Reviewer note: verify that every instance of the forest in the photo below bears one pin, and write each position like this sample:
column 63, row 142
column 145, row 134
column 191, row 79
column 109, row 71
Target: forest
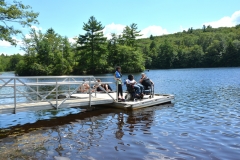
column 50, row 53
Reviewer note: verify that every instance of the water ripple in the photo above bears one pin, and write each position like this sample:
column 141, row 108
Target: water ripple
column 202, row 123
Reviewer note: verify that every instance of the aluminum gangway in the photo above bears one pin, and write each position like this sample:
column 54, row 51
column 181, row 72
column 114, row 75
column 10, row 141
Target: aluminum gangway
column 18, row 93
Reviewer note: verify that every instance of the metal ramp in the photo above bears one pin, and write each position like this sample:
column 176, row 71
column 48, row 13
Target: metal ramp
column 42, row 92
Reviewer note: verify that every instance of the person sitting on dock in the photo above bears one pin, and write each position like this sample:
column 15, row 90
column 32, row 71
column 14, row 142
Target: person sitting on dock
column 99, row 87
column 145, row 81
column 84, row 88
column 138, row 87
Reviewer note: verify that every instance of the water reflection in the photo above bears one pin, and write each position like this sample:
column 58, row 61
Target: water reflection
column 77, row 133
column 203, row 124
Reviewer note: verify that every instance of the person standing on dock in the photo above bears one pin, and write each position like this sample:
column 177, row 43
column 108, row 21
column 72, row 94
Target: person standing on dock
column 117, row 77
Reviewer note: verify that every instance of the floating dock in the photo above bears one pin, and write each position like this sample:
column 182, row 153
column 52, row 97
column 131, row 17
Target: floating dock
column 37, row 99
column 81, row 100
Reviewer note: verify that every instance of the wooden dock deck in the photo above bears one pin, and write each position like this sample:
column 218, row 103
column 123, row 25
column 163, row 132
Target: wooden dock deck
column 158, row 99
column 80, row 100
column 28, row 87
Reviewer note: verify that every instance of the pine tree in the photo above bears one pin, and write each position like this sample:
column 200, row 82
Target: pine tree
column 130, row 35
column 92, row 43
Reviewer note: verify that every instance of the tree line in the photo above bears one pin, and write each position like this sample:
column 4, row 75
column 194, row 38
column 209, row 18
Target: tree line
column 206, row 47
column 52, row 54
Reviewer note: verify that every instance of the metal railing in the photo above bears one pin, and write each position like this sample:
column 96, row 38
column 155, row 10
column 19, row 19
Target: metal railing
column 14, row 90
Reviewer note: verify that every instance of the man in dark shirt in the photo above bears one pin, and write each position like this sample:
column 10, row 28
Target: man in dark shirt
column 145, row 81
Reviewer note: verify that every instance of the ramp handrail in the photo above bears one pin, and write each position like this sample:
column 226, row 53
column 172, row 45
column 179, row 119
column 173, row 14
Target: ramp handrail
column 30, row 88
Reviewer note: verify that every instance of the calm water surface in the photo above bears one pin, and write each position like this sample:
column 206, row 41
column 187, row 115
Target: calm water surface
column 203, row 122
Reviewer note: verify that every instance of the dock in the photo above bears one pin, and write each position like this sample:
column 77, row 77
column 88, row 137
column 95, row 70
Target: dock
column 19, row 94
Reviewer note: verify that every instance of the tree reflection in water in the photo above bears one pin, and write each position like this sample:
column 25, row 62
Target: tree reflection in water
column 74, row 135
column 119, row 133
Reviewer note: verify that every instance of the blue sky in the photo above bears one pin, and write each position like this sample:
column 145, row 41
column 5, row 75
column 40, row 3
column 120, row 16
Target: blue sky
column 156, row 17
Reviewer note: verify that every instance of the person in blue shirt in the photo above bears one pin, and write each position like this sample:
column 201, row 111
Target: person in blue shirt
column 117, row 77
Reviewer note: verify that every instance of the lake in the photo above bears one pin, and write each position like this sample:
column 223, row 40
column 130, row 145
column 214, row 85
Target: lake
column 203, row 122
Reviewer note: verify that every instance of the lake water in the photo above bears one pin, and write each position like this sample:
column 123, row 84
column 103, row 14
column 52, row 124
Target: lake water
column 203, row 122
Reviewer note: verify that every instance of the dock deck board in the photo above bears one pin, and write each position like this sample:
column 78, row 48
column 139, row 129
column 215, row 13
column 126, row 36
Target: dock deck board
column 79, row 100
column 30, row 85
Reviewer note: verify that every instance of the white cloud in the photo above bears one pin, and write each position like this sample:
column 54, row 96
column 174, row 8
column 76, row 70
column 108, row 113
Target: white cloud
column 146, row 32
column 226, row 21
column 5, row 44
column 27, row 36
column 72, row 40
column 113, row 28
column 8, row 44
column 36, row 28
column 18, row 41
column 153, row 30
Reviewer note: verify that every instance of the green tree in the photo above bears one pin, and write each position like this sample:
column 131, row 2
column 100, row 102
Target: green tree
column 46, row 54
column 93, row 45
column 204, row 28
column 231, row 56
column 213, row 54
column 146, row 55
column 129, row 59
column 195, row 56
column 204, row 40
column 68, row 55
column 14, row 59
column 1, row 66
column 113, row 51
column 180, row 58
column 4, row 61
column 14, row 13
column 152, row 45
column 237, row 26
column 130, row 35
column 190, row 30
column 165, row 55
column 151, row 37
column 50, row 52
column 209, row 28
column 124, row 54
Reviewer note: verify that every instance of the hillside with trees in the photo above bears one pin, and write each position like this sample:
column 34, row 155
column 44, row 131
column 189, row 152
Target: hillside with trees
column 206, row 47
column 50, row 53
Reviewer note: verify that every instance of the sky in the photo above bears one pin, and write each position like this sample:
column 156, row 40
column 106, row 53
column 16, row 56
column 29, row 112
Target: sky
column 153, row 17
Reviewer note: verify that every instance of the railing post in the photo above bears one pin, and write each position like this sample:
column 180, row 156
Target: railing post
column 153, row 92
column 117, row 90
column 68, row 86
column 95, row 86
column 37, row 89
column 56, row 93
column 89, row 92
column 15, row 98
